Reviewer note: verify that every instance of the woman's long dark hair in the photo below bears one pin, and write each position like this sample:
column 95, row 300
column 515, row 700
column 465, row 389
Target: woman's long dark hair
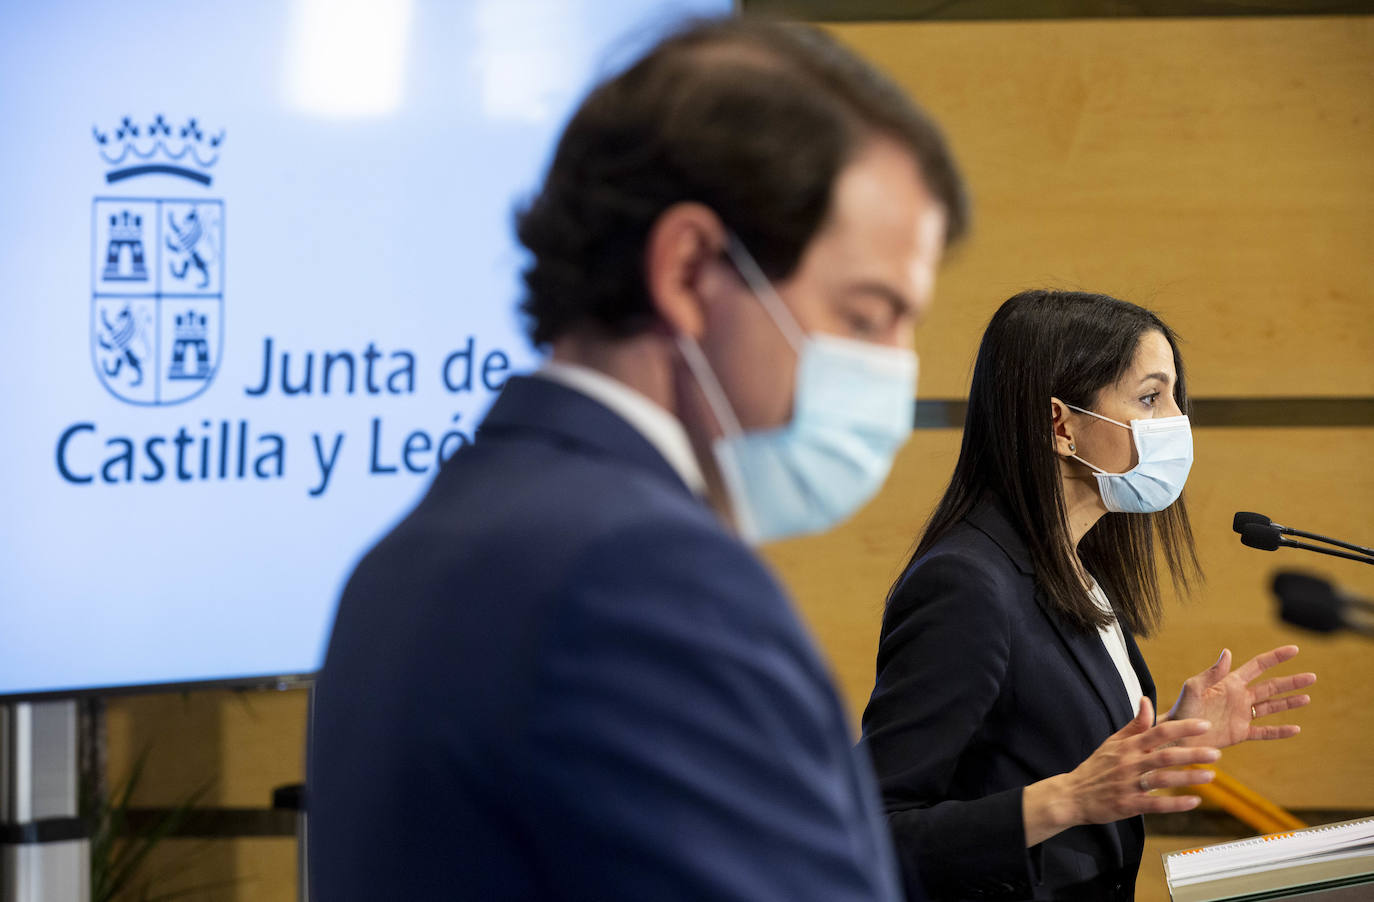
column 1068, row 345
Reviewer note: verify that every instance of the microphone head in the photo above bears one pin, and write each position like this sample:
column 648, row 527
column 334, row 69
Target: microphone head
column 1309, row 602
column 1263, row 536
column 1244, row 518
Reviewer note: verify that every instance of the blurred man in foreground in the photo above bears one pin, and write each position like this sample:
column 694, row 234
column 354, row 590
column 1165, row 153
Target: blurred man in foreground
column 565, row 675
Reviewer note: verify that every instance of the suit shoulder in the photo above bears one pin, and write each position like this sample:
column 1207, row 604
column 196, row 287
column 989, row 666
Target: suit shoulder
column 964, row 569
column 683, row 560
column 964, row 554
column 569, row 484
column 510, row 501
column 565, row 522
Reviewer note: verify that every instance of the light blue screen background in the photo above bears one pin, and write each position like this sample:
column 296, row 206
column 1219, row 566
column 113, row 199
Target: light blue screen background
column 338, row 229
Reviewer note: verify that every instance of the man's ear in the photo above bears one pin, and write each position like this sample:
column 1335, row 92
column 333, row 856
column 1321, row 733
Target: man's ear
column 1064, row 443
column 680, row 258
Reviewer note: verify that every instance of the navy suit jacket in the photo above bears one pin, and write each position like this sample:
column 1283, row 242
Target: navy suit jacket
column 560, row 678
column 982, row 690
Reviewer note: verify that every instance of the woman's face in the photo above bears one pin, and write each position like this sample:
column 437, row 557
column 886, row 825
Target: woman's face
column 1145, row 391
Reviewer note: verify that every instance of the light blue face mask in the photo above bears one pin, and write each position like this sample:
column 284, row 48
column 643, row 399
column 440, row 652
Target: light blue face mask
column 852, row 411
column 1165, row 455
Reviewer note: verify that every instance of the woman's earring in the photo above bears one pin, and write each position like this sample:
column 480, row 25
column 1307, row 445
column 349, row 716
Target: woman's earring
column 1071, row 447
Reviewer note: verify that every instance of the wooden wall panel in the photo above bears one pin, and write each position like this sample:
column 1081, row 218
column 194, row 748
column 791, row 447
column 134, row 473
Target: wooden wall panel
column 223, row 870
column 240, row 744
column 1219, row 170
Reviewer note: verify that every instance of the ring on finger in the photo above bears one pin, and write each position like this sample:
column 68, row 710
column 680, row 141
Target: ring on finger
column 1144, row 783
column 1253, row 712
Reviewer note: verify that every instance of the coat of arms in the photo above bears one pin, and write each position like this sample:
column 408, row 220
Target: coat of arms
column 157, row 268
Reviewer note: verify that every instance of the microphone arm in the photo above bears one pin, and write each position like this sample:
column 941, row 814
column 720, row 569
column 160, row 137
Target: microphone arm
column 1337, row 542
column 1364, row 558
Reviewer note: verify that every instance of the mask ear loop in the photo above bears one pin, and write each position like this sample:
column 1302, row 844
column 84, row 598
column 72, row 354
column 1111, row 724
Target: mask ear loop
column 729, row 427
column 710, row 387
column 1098, row 415
column 762, row 288
column 1094, row 467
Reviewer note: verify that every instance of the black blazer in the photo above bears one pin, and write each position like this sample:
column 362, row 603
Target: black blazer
column 559, row 678
column 981, row 691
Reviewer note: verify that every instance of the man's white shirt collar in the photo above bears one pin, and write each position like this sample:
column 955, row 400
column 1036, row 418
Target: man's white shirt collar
column 659, row 427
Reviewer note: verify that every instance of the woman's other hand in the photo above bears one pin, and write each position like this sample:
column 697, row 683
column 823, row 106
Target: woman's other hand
column 1227, row 699
column 1117, row 780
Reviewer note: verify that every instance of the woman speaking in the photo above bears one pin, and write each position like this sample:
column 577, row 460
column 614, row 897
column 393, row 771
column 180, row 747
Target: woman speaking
column 1012, row 724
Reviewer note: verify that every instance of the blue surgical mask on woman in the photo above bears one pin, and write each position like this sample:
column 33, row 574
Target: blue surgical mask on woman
column 1165, row 455
column 851, row 413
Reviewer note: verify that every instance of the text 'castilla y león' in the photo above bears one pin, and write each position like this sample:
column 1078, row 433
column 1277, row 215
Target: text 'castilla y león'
column 230, row 449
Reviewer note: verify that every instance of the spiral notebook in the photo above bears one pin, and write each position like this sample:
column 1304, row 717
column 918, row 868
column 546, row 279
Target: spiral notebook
column 1333, row 857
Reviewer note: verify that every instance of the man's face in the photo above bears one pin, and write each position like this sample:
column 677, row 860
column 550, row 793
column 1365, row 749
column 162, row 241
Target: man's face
column 868, row 274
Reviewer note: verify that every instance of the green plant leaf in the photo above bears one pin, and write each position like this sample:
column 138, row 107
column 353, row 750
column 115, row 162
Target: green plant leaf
column 118, row 854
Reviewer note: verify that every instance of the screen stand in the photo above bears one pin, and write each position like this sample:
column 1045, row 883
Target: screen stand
column 45, row 855
column 303, row 814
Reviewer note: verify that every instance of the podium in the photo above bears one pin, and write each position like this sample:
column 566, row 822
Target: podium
column 1331, row 863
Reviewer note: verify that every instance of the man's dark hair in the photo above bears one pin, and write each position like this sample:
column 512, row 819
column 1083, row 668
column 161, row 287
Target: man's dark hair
column 754, row 119
column 1068, row 345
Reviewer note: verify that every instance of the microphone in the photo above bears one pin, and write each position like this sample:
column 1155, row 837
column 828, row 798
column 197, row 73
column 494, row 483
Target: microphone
column 1244, row 520
column 1313, row 603
column 1269, row 538
column 1263, row 536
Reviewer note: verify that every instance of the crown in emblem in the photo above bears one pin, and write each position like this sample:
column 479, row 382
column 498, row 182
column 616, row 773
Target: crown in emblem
column 158, row 148
column 127, row 228
column 190, row 326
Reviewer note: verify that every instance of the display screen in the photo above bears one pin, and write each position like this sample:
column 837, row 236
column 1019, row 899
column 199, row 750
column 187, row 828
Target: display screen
column 259, row 278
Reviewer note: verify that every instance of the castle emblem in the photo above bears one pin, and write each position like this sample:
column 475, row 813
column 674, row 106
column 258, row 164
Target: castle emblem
column 157, row 267
column 124, row 250
column 190, row 339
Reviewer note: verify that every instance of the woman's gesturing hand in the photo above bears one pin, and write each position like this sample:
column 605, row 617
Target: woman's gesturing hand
column 1231, row 703
column 1116, row 781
